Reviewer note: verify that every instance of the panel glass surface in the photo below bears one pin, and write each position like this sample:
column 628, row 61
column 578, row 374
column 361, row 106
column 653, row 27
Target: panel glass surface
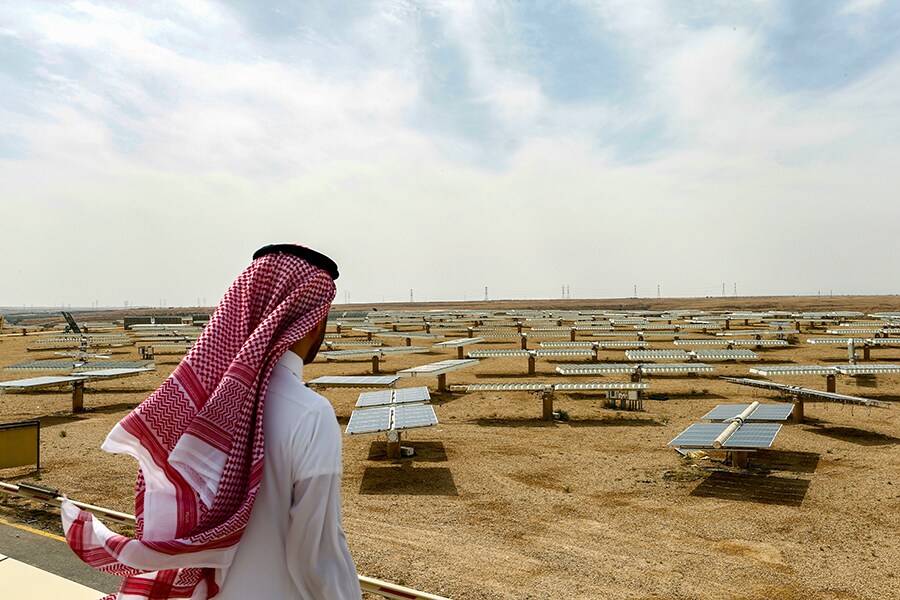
column 379, row 398
column 370, row 420
column 409, row 417
column 764, row 412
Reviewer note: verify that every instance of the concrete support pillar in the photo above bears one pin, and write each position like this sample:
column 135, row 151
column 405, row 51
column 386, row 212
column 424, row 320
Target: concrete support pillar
column 797, row 413
column 368, row 335
column 636, row 376
column 393, row 444
column 531, row 364
column 727, row 324
column 459, row 352
column 572, row 335
column 337, row 329
column 867, row 352
column 740, row 459
column 830, row 383
column 409, row 341
column 524, row 341
column 376, row 364
column 78, row 397
column 547, row 401
column 427, row 327
column 471, row 332
column 442, row 383
column 519, row 326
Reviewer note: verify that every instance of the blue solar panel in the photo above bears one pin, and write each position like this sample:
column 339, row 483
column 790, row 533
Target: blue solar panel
column 764, row 412
column 750, row 436
column 370, row 420
column 409, row 417
column 753, row 435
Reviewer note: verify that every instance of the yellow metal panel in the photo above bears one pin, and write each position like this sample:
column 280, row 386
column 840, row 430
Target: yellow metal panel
column 18, row 447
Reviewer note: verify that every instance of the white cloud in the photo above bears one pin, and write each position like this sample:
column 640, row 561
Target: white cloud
column 185, row 143
column 861, row 7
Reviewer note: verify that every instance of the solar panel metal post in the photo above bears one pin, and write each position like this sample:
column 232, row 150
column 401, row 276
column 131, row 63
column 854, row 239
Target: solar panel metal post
column 532, row 358
column 393, row 444
column 572, row 334
column 547, row 402
column 830, row 383
column 376, row 364
column 727, row 324
column 78, row 396
column 524, row 341
column 851, row 351
column 798, row 408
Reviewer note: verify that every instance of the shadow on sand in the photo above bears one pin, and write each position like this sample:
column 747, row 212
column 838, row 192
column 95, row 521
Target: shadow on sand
column 404, row 479
column 746, row 487
column 786, row 460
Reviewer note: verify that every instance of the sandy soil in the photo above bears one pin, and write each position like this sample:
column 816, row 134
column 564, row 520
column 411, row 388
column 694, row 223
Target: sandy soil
column 499, row 504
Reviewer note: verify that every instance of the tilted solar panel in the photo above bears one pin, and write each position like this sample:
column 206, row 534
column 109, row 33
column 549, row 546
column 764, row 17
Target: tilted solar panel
column 379, row 398
column 411, row 417
column 354, row 381
column 370, row 420
column 416, row 394
column 750, row 436
column 764, row 412
column 507, row 387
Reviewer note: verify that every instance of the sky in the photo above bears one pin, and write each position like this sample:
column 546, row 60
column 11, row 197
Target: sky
column 438, row 148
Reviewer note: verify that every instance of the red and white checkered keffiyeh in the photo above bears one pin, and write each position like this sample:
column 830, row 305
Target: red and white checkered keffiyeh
column 199, row 439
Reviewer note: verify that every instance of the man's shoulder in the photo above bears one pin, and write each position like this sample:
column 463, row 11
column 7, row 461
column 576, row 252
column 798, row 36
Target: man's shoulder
column 286, row 390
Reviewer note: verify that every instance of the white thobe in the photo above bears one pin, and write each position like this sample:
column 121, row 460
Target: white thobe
column 294, row 546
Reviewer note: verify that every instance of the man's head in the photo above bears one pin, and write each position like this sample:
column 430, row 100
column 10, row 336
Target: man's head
column 308, row 347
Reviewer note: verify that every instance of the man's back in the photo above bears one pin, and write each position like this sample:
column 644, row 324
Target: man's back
column 294, row 545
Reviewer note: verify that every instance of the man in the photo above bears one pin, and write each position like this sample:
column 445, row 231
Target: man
column 234, row 429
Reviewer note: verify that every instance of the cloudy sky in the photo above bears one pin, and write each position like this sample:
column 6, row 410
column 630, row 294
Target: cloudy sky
column 146, row 150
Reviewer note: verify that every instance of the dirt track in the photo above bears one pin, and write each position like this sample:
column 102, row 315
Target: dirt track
column 499, row 504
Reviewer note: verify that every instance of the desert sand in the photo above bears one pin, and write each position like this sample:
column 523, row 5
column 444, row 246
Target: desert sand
column 498, row 504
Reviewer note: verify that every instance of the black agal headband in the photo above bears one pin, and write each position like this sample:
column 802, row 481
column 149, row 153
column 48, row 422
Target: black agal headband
column 311, row 256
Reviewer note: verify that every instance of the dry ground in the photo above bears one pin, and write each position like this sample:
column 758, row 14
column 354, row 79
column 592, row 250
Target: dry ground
column 498, row 504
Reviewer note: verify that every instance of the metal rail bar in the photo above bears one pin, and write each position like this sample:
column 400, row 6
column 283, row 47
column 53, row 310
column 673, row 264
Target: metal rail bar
column 384, row 589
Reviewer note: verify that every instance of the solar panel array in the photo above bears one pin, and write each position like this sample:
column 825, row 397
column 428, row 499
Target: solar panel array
column 676, row 368
column 388, row 397
column 568, row 386
column 750, row 436
column 871, row 369
column 354, row 381
column 68, row 365
column 788, row 370
column 498, row 353
column 412, row 417
column 656, row 355
column 597, row 369
column 438, row 368
column 459, row 342
column 563, row 352
column 806, row 393
column 724, row 355
column 763, row 412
